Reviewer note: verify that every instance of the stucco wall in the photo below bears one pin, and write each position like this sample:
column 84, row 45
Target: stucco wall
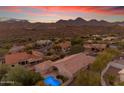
column 121, row 77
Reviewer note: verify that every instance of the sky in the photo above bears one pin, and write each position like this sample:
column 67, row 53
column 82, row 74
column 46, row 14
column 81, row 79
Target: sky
column 54, row 13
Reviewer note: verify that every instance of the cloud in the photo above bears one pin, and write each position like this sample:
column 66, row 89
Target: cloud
column 85, row 9
column 63, row 10
column 10, row 9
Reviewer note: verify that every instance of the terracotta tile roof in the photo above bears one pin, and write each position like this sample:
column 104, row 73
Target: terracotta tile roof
column 74, row 63
column 44, row 65
column 17, row 57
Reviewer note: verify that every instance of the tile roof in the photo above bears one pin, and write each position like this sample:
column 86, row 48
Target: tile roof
column 75, row 62
column 44, row 65
column 17, row 57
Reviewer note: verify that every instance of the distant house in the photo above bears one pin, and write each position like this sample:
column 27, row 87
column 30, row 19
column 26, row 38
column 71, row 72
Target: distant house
column 95, row 47
column 95, row 35
column 24, row 58
column 109, row 38
column 44, row 42
column 65, row 46
column 113, row 46
column 16, row 49
column 44, row 45
column 89, row 41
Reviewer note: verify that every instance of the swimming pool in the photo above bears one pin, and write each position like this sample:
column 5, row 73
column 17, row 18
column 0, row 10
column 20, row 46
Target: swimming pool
column 52, row 81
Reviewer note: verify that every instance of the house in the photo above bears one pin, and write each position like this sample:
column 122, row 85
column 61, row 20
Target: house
column 119, row 64
column 65, row 46
column 44, row 42
column 89, row 41
column 69, row 66
column 43, row 67
column 24, row 58
column 95, row 47
column 113, row 46
column 109, row 38
column 44, row 45
column 16, row 49
column 121, row 74
column 115, row 68
column 95, row 35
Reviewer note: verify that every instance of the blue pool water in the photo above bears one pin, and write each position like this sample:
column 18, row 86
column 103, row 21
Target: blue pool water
column 52, row 81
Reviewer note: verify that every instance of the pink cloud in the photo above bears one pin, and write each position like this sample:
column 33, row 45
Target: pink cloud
column 11, row 9
column 88, row 9
column 51, row 10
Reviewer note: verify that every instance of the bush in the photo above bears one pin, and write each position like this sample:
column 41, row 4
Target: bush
column 3, row 70
column 77, row 40
column 29, row 47
column 120, row 84
column 40, row 83
column 111, row 79
column 103, row 58
column 62, row 78
column 22, row 76
column 87, row 78
column 76, row 49
column 120, row 44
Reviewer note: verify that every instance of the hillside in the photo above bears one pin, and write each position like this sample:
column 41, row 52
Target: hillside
column 13, row 29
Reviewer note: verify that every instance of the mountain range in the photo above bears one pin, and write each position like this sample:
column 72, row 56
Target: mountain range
column 16, row 28
column 80, row 21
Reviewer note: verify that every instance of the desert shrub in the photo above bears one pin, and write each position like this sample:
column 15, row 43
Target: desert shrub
column 103, row 58
column 87, row 78
column 63, row 78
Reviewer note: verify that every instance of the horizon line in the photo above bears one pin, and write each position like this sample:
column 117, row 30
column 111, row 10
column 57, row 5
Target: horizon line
column 34, row 21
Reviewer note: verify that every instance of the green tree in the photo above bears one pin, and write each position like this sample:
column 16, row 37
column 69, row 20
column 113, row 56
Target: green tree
column 111, row 78
column 76, row 49
column 3, row 70
column 22, row 76
column 103, row 58
column 120, row 44
column 28, row 48
column 77, row 40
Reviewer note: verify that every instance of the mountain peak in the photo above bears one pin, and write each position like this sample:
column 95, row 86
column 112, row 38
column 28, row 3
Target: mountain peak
column 93, row 20
column 79, row 19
